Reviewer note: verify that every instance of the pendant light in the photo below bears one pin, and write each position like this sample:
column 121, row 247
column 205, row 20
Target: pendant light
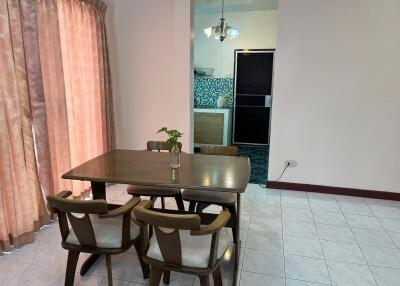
column 222, row 30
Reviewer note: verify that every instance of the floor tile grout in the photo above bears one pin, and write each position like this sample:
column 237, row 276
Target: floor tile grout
column 319, row 240
column 283, row 243
column 362, row 252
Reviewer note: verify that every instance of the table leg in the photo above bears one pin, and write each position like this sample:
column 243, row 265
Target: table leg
column 237, row 244
column 98, row 190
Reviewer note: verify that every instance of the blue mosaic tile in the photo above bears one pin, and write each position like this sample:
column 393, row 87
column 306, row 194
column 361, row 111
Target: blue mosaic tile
column 208, row 90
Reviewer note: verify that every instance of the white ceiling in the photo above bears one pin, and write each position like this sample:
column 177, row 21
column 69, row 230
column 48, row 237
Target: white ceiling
column 214, row 6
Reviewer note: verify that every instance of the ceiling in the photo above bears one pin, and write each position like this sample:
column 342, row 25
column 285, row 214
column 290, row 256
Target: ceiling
column 214, row 6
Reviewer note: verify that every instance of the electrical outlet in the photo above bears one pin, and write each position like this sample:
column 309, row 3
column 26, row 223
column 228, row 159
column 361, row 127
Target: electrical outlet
column 291, row 163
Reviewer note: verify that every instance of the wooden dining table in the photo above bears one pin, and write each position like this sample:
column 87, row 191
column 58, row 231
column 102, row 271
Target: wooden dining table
column 201, row 172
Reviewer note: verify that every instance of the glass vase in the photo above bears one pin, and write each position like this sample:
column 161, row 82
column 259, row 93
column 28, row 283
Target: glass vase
column 175, row 158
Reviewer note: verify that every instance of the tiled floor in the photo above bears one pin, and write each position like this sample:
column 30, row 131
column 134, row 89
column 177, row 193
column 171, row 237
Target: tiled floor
column 288, row 238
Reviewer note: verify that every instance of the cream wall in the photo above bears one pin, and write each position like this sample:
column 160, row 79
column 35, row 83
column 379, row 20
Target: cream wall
column 336, row 108
column 151, row 50
column 257, row 31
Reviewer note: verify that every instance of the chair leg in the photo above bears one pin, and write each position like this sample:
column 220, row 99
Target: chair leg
column 155, row 276
column 71, row 267
column 232, row 210
column 217, row 277
column 145, row 266
column 166, row 277
column 109, row 270
column 201, row 206
column 204, row 281
column 192, row 206
column 179, row 202
column 163, row 203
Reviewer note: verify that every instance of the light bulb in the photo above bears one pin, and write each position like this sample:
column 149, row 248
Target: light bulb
column 208, row 31
column 232, row 32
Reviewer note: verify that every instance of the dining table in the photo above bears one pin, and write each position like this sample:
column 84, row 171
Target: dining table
column 201, row 172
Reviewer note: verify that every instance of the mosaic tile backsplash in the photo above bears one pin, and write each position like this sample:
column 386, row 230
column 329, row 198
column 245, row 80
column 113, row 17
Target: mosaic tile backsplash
column 207, row 91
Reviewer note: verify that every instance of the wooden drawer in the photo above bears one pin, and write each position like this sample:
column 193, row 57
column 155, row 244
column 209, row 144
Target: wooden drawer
column 208, row 128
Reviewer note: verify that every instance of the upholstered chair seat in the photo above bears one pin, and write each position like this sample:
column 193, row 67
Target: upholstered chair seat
column 195, row 249
column 108, row 232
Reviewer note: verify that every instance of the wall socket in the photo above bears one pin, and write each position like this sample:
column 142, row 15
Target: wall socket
column 291, row 163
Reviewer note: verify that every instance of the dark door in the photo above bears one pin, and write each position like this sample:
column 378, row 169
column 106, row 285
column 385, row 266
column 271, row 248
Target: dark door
column 252, row 91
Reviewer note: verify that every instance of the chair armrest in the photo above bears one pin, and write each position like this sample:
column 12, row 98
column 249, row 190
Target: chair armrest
column 145, row 204
column 215, row 226
column 126, row 208
column 64, row 195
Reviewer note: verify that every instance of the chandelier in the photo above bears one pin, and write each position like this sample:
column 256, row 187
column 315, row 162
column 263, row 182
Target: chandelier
column 222, row 30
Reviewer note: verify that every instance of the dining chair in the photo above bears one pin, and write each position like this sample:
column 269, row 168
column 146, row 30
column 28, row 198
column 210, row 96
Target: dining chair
column 199, row 200
column 182, row 244
column 155, row 192
column 97, row 228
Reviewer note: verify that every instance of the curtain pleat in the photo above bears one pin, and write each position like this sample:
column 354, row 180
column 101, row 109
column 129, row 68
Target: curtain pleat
column 21, row 209
column 55, row 105
column 36, row 93
column 78, row 97
column 74, row 20
column 110, row 123
column 54, row 94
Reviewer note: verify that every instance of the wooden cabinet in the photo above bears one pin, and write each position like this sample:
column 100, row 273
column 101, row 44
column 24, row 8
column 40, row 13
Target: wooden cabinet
column 211, row 126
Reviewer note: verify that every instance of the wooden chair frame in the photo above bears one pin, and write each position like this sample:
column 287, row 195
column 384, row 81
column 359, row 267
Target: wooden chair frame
column 197, row 206
column 219, row 150
column 170, row 245
column 83, row 229
column 161, row 146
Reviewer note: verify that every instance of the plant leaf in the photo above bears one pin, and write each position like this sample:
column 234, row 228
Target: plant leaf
column 163, row 129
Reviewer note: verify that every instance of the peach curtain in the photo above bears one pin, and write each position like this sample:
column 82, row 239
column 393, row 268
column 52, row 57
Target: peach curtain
column 76, row 85
column 21, row 202
column 55, row 105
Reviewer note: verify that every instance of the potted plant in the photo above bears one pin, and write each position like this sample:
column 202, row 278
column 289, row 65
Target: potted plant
column 172, row 141
column 223, row 100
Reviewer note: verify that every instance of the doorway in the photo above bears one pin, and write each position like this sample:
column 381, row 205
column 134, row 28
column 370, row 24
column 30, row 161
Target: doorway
column 233, row 78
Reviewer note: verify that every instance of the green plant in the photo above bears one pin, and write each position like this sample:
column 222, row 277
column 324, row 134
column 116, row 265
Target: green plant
column 223, row 99
column 225, row 96
column 173, row 135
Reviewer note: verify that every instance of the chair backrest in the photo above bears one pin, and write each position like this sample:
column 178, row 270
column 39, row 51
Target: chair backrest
column 219, row 150
column 77, row 213
column 166, row 227
column 160, row 146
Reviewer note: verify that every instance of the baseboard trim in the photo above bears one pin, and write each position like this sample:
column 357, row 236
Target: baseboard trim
column 334, row 190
